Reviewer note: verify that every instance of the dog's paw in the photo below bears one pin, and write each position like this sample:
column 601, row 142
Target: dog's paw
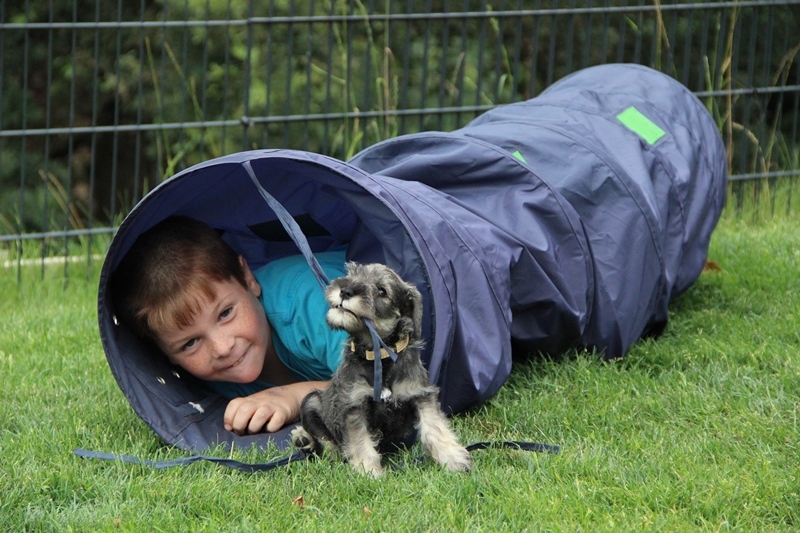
column 301, row 439
column 368, row 466
column 457, row 459
column 364, row 458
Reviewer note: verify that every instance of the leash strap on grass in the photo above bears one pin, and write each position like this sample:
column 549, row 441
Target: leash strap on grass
column 299, row 455
column 512, row 444
column 517, row 445
column 249, row 468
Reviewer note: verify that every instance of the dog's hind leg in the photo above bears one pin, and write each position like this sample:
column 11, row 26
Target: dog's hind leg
column 360, row 447
column 438, row 439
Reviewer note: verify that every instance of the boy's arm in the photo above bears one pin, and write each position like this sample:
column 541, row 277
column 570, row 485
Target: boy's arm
column 270, row 409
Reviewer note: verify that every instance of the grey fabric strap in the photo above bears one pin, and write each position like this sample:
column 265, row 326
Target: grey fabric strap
column 298, row 455
column 290, row 225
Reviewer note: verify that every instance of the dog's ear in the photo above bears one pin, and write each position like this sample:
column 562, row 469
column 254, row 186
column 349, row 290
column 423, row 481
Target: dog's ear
column 413, row 299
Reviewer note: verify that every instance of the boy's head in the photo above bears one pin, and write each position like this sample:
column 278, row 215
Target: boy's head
column 168, row 274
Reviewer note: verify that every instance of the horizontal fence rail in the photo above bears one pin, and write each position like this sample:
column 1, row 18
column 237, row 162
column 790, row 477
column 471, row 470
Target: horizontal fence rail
column 102, row 100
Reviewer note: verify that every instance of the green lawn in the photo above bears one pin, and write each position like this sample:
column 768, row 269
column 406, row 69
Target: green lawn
column 695, row 431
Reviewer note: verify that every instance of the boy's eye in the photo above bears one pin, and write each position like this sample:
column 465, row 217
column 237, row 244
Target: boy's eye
column 189, row 344
column 226, row 312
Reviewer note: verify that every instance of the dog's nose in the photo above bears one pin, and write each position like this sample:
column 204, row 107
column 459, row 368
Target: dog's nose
column 346, row 293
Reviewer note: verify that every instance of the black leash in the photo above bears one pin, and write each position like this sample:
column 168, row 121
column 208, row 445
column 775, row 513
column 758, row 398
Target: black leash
column 293, row 229
column 294, row 457
column 249, row 468
column 516, row 445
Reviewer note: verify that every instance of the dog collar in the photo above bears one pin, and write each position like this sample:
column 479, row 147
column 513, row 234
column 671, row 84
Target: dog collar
column 401, row 345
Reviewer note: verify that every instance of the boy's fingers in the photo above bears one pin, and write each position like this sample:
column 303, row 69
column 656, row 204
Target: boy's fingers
column 277, row 421
column 259, row 418
column 227, row 418
column 261, row 411
column 237, row 416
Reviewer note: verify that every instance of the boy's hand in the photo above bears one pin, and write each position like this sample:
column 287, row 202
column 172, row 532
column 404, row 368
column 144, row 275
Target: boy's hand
column 269, row 409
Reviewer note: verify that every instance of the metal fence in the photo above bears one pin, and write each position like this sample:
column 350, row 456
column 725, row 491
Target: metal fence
column 102, row 100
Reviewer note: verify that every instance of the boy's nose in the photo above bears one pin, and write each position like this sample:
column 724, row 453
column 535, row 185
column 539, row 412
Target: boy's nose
column 221, row 346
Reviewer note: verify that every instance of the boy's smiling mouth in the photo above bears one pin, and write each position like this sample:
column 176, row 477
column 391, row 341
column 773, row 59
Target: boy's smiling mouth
column 238, row 361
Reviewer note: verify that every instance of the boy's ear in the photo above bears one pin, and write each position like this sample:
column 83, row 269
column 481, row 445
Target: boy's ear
column 252, row 285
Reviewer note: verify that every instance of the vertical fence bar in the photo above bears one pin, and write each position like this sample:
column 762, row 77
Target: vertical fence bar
column 309, row 83
column 200, row 113
column 425, row 58
column 45, row 171
column 268, row 79
column 744, row 155
column 685, row 75
column 404, row 85
column 245, row 118
column 23, row 141
column 570, row 36
column 551, row 49
column 534, row 70
column 226, row 77
column 115, row 135
column 2, row 119
column 605, row 35
column 93, row 197
column 159, row 86
column 348, row 78
column 461, row 66
column 327, row 144
column 138, row 185
column 365, row 26
column 73, row 88
column 499, row 56
column 480, row 53
column 287, row 106
column 517, row 50
column 444, row 44
column 794, row 149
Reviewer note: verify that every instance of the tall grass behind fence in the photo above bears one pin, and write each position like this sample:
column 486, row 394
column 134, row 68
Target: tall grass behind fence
column 102, row 100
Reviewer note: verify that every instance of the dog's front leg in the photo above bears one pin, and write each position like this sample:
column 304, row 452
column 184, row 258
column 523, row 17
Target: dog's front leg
column 313, row 431
column 438, row 439
column 360, row 446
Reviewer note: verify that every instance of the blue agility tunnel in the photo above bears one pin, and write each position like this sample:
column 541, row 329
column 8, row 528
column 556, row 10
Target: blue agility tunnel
column 569, row 220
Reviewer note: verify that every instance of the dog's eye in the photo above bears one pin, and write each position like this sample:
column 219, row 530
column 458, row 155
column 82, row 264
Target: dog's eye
column 381, row 292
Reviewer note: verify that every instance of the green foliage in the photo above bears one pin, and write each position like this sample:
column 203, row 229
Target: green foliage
column 182, row 82
column 695, row 431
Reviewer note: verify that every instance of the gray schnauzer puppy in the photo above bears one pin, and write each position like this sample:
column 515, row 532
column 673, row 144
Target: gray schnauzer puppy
column 344, row 415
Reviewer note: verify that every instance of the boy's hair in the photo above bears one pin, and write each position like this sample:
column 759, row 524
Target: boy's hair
column 168, row 274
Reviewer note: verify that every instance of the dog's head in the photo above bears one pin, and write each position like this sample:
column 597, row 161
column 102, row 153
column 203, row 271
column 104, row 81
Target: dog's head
column 377, row 293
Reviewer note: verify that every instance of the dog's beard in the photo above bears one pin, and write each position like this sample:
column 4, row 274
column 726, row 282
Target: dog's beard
column 341, row 318
column 350, row 315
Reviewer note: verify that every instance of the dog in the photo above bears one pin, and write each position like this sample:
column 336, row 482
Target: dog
column 345, row 416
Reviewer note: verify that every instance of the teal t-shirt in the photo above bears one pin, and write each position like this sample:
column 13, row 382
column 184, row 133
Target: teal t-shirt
column 295, row 306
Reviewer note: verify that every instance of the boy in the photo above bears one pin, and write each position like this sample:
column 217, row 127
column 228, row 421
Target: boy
column 258, row 337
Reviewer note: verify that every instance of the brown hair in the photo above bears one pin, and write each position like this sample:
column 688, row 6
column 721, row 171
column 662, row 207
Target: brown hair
column 168, row 274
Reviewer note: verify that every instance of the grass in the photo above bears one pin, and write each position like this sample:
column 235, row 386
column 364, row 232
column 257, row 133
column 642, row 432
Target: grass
column 696, row 431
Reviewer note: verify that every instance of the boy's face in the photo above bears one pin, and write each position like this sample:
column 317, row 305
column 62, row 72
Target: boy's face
column 228, row 338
